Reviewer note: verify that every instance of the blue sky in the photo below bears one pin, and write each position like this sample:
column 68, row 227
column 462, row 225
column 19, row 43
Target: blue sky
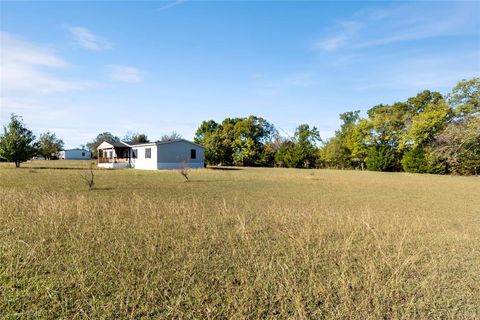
column 81, row 68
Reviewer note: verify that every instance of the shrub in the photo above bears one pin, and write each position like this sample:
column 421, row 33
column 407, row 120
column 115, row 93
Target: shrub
column 380, row 158
column 88, row 176
column 414, row 161
column 184, row 169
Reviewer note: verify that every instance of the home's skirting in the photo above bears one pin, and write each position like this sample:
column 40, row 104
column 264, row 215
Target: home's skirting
column 178, row 165
column 160, row 165
column 113, row 165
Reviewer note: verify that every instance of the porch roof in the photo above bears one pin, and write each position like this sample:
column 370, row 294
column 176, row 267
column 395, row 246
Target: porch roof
column 112, row 144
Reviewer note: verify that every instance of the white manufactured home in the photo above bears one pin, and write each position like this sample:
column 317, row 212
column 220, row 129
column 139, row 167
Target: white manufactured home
column 74, row 154
column 170, row 154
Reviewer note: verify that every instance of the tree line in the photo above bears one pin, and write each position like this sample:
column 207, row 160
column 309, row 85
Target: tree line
column 427, row 133
column 130, row 137
column 18, row 144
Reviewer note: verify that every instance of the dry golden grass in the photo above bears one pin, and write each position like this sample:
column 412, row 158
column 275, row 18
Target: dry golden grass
column 242, row 244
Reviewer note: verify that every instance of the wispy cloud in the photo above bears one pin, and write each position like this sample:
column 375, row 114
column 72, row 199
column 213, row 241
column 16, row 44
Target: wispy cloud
column 24, row 68
column 70, row 119
column 171, row 5
column 399, row 23
column 125, row 73
column 88, row 39
column 346, row 30
column 440, row 71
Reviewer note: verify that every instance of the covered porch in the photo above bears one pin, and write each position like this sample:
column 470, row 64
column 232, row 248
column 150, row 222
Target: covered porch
column 114, row 155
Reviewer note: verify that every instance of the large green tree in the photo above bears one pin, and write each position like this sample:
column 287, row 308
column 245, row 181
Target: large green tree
column 17, row 143
column 288, row 155
column 104, row 136
column 349, row 147
column 465, row 98
column 331, row 154
column 237, row 141
column 206, row 128
column 422, row 100
column 302, row 150
column 429, row 114
column 49, row 145
column 306, row 139
column 217, row 140
column 387, row 125
column 361, row 140
column 458, row 145
column 425, row 125
column 250, row 137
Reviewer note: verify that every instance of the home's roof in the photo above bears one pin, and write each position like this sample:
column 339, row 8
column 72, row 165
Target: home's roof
column 118, row 144
column 115, row 144
column 122, row 144
column 164, row 142
column 141, row 144
column 75, row 149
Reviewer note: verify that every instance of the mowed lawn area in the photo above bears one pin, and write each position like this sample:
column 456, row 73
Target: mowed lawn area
column 241, row 244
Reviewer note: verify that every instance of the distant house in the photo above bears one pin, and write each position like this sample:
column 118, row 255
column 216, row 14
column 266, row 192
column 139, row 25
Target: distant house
column 171, row 154
column 75, row 154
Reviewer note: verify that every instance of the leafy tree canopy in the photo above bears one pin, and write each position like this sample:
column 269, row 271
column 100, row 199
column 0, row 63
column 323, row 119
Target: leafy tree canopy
column 240, row 141
column 49, row 145
column 427, row 133
column 465, row 98
column 206, row 127
column 17, row 143
column 104, row 136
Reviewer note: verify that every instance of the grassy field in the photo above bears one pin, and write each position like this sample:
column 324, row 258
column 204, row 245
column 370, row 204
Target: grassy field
column 241, row 244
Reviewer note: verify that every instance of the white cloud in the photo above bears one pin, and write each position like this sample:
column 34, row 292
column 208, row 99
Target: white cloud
column 29, row 76
column 88, row 39
column 399, row 23
column 125, row 74
column 23, row 67
column 70, row 120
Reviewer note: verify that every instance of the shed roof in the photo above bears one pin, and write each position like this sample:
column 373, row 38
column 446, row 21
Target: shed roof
column 75, row 149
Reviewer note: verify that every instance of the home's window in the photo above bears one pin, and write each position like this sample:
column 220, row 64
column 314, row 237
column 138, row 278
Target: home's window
column 193, row 154
column 83, row 154
column 148, row 153
column 109, row 154
column 134, row 153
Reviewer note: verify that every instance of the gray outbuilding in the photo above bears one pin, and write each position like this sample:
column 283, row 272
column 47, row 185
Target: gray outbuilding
column 75, row 154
